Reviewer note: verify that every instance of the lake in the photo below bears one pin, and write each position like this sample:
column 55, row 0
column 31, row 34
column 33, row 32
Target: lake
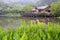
column 14, row 22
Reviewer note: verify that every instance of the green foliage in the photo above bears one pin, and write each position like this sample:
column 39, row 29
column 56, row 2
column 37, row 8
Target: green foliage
column 24, row 36
column 27, row 7
column 32, row 31
column 55, row 8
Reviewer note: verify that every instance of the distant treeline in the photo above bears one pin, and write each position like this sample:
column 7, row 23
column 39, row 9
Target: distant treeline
column 14, row 11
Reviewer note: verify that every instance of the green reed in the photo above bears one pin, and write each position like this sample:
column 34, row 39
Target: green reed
column 32, row 31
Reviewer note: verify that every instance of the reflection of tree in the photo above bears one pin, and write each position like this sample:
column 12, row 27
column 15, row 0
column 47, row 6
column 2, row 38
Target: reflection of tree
column 57, row 20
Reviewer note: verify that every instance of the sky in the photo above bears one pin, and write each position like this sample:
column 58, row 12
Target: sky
column 7, row 1
column 11, row 0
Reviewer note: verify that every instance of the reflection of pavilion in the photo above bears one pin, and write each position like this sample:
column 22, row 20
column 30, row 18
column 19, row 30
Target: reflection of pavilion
column 44, row 20
column 42, row 8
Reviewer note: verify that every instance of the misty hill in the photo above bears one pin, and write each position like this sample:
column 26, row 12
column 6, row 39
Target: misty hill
column 43, row 2
column 24, row 2
column 8, row 3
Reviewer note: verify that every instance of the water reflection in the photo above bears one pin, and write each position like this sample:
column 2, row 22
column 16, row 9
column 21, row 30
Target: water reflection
column 16, row 21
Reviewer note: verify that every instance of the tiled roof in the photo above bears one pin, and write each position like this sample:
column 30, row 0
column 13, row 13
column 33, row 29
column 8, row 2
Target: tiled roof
column 42, row 7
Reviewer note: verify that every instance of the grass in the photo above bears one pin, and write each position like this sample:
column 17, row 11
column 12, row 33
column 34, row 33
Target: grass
column 32, row 31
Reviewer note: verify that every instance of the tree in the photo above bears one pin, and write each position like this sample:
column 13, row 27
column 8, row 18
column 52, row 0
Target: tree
column 55, row 8
column 27, row 7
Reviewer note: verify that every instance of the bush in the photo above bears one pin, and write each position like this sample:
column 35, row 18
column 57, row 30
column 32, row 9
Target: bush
column 33, row 31
column 55, row 8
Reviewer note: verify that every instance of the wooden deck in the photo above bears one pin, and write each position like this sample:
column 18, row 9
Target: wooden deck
column 37, row 15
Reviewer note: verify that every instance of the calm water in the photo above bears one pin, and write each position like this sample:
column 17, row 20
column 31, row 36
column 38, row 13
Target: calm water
column 6, row 22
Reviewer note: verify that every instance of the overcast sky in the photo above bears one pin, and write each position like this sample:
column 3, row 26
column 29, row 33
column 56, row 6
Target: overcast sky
column 11, row 0
column 20, row 0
